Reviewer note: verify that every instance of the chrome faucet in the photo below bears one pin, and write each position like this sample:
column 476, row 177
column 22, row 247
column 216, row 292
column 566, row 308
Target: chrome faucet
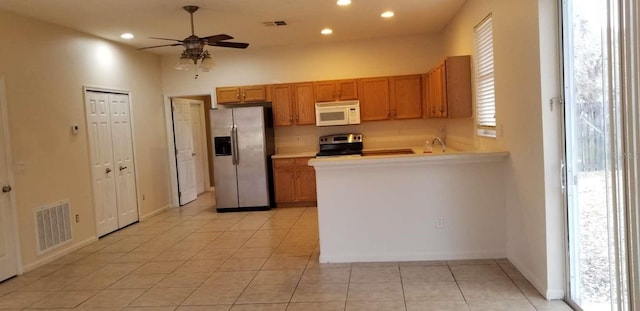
column 441, row 141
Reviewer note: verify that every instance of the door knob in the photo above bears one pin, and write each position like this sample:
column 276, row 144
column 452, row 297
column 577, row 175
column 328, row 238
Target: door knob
column 107, row 171
column 123, row 167
column 6, row 189
column 193, row 154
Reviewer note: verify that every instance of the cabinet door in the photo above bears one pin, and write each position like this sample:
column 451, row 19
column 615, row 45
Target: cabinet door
column 436, row 92
column 257, row 93
column 306, row 184
column 374, row 99
column 459, row 86
column 443, row 108
column 425, row 95
column 347, row 89
column 325, row 91
column 305, row 110
column 284, row 184
column 406, row 99
column 227, row 95
column 282, row 100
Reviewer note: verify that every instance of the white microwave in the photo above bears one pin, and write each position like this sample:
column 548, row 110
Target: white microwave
column 338, row 113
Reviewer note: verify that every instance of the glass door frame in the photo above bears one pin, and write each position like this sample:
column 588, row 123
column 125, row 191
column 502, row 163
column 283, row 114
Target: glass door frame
column 622, row 237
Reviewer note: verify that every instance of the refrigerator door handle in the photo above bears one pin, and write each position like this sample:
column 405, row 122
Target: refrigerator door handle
column 236, row 149
column 233, row 146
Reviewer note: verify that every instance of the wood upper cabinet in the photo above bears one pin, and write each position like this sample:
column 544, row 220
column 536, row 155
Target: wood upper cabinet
column 242, row 94
column 294, row 180
column 282, row 103
column 406, row 97
column 390, row 98
column 448, row 89
column 327, row 91
column 374, row 99
column 293, row 104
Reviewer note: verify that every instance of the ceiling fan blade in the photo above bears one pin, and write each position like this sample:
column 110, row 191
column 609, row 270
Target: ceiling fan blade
column 166, row 39
column 235, row 45
column 217, row 38
column 159, row 46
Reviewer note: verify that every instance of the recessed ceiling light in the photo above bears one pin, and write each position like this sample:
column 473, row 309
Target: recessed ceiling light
column 127, row 36
column 387, row 14
column 343, row 2
column 326, row 31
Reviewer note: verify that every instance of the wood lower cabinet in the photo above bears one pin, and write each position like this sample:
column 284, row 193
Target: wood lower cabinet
column 328, row 91
column 242, row 94
column 447, row 89
column 293, row 104
column 294, row 180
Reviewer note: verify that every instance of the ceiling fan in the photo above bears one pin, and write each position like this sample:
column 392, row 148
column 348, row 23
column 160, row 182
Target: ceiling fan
column 194, row 41
column 194, row 46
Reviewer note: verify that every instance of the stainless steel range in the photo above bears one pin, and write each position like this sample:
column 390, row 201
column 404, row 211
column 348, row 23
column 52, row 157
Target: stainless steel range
column 340, row 145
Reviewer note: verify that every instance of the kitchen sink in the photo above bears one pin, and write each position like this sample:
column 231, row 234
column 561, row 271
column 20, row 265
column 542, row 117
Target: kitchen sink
column 387, row 152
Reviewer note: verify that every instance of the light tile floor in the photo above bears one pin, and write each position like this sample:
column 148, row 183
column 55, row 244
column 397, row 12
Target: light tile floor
column 193, row 258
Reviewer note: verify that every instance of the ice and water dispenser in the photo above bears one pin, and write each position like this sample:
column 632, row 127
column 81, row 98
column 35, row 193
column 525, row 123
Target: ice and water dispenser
column 222, row 145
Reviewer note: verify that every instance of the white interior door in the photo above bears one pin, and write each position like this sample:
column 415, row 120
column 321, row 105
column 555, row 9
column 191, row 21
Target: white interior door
column 199, row 147
column 123, row 159
column 186, row 164
column 8, row 262
column 102, row 166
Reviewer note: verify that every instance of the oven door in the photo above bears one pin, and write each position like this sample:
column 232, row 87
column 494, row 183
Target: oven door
column 328, row 116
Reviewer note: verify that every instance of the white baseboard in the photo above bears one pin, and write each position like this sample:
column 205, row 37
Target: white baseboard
column 426, row 256
column 53, row 256
column 156, row 212
column 543, row 289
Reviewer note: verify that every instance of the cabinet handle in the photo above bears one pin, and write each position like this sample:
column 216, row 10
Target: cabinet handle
column 297, row 118
column 433, row 110
column 290, row 119
column 238, row 95
column 388, row 114
column 121, row 168
column 244, row 95
column 441, row 108
column 107, row 171
column 394, row 112
column 339, row 93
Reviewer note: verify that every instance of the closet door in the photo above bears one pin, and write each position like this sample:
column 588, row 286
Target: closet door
column 123, row 158
column 102, row 166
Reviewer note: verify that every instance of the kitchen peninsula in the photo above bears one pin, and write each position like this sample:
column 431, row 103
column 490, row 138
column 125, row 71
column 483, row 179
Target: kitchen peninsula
column 444, row 205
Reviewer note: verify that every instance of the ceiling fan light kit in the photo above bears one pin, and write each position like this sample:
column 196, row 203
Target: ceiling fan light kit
column 195, row 56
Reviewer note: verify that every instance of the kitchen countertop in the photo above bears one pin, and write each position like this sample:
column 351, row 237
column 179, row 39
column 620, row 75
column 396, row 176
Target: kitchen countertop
column 307, row 154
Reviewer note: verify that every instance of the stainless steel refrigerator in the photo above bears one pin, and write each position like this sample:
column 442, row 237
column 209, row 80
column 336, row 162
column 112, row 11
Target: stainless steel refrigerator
column 243, row 145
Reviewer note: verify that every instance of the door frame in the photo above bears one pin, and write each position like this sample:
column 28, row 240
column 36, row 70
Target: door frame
column 88, row 88
column 4, row 116
column 171, row 147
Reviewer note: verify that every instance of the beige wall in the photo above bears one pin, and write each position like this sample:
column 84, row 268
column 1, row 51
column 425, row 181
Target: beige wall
column 45, row 68
column 526, row 78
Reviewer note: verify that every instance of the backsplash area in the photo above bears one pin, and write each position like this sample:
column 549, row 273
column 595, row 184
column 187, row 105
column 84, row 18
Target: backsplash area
column 377, row 134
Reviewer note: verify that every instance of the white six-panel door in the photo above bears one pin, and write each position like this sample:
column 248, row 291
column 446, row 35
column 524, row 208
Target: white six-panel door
column 8, row 256
column 102, row 166
column 111, row 152
column 199, row 146
column 184, row 150
column 123, row 159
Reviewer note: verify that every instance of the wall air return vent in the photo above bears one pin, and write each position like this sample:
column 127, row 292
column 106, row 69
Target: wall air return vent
column 275, row 23
column 53, row 225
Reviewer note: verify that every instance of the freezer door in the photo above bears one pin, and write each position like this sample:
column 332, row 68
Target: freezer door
column 224, row 173
column 253, row 183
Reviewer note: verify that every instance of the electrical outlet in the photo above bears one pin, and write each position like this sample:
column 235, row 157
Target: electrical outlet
column 77, row 218
column 439, row 222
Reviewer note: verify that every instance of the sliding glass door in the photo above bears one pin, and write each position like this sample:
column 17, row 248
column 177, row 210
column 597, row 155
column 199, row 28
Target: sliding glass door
column 594, row 180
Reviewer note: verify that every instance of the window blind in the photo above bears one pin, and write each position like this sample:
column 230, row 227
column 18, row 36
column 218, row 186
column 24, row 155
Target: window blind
column 485, row 86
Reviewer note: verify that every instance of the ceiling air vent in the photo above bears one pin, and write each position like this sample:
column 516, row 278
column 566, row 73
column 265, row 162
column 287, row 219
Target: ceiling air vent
column 275, row 23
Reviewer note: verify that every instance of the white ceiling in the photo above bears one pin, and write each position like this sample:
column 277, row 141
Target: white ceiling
column 242, row 19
